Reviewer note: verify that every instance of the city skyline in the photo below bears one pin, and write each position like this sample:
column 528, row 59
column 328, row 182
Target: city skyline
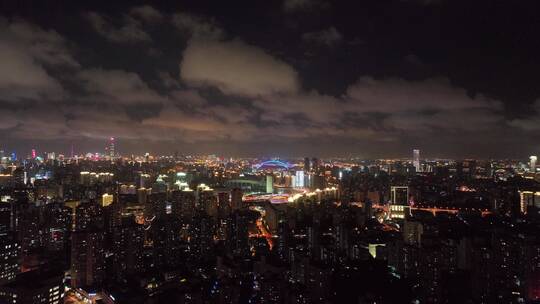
column 269, row 152
column 291, row 78
column 110, row 152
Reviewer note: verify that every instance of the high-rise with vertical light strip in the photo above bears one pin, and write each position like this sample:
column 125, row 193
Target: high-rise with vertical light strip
column 416, row 159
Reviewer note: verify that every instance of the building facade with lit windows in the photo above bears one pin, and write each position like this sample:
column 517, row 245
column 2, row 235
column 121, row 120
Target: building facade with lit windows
column 10, row 251
column 34, row 287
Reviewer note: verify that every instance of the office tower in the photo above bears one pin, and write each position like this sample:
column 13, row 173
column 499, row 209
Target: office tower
column 34, row 154
column 10, row 251
column 416, row 160
column 532, row 163
column 111, row 148
column 87, row 258
column 269, row 184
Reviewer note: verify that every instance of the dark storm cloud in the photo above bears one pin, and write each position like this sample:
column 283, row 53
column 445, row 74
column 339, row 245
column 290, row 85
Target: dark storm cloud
column 25, row 53
column 197, row 26
column 117, row 87
column 129, row 29
column 329, row 37
column 290, row 6
column 147, row 13
column 214, row 83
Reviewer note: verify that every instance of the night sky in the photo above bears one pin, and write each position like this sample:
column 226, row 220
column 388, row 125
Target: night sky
column 267, row 78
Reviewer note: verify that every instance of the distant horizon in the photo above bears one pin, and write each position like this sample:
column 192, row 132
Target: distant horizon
column 67, row 153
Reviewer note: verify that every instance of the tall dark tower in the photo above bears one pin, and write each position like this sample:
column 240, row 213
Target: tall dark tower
column 307, row 164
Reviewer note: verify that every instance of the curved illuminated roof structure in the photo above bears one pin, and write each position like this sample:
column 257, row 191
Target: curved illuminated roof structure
column 273, row 164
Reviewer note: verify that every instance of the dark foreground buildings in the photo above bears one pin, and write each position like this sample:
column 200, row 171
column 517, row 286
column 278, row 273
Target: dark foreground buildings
column 208, row 230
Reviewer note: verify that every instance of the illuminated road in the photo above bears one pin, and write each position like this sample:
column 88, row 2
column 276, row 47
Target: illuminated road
column 273, row 198
column 72, row 298
column 434, row 210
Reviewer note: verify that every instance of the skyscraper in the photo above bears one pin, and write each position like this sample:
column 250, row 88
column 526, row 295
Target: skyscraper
column 416, row 159
column 299, row 181
column 399, row 202
column 9, row 259
column 111, row 148
column 87, row 258
column 269, row 184
column 532, row 163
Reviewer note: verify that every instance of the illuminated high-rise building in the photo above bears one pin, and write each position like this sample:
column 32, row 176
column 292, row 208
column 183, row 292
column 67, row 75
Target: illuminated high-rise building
column 299, row 179
column 532, row 163
column 399, row 202
column 416, row 159
column 34, row 155
column 107, row 199
column 528, row 199
column 36, row 286
column 111, row 148
column 10, row 251
column 269, row 184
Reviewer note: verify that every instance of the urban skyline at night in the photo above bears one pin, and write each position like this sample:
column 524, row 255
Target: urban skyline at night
column 270, row 152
